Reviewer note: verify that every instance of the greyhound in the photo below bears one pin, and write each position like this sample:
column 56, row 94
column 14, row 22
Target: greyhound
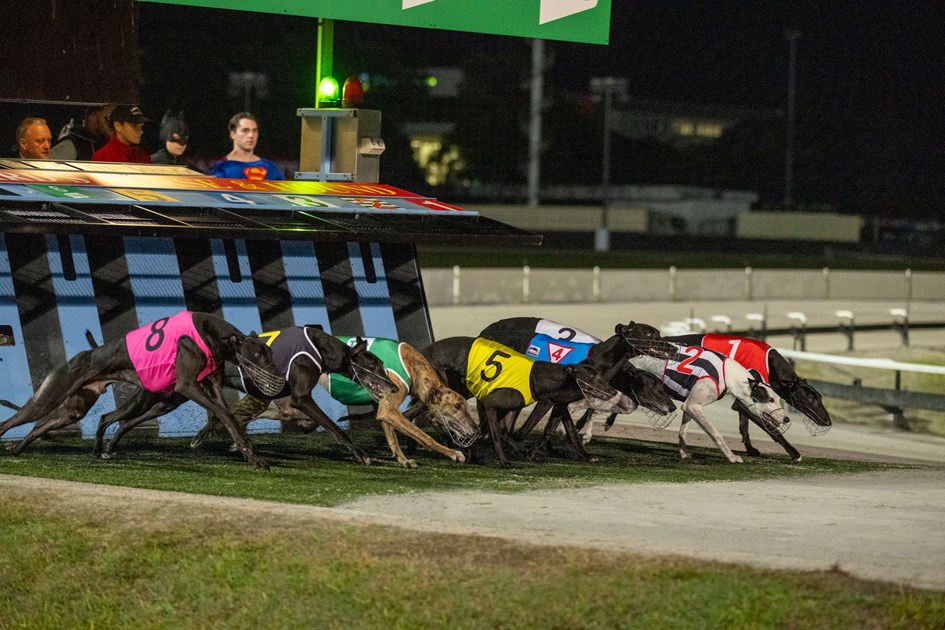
column 171, row 360
column 546, row 340
column 302, row 354
column 767, row 364
column 406, row 371
column 698, row 377
column 504, row 381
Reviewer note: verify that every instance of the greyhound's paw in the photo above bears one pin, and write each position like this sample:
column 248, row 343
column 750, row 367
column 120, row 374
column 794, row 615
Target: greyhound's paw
column 408, row 463
column 753, row 452
column 194, row 444
column 797, row 460
column 736, row 459
column 363, row 459
column 105, row 455
column 261, row 465
column 592, row 459
column 684, row 454
column 458, row 457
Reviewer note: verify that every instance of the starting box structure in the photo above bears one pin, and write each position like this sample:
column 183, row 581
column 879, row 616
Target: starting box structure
column 108, row 247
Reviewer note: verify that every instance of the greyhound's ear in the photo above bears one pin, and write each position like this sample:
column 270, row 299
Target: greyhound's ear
column 252, row 333
column 618, row 329
column 360, row 345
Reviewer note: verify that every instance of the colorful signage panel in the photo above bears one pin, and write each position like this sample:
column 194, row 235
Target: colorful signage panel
column 205, row 183
column 585, row 21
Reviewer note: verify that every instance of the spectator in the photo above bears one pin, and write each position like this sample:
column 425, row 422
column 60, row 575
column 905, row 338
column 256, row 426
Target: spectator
column 125, row 145
column 33, row 139
column 80, row 142
column 242, row 162
column 175, row 134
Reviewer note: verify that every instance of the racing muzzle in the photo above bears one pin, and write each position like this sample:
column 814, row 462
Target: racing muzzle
column 461, row 432
column 376, row 385
column 269, row 383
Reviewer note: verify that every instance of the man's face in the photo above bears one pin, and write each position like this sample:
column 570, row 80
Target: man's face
column 245, row 135
column 128, row 132
column 36, row 143
column 97, row 121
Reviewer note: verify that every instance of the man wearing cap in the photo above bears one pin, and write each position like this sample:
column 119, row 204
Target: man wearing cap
column 33, row 139
column 242, row 162
column 127, row 123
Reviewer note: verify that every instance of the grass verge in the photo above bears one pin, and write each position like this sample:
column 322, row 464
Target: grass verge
column 70, row 562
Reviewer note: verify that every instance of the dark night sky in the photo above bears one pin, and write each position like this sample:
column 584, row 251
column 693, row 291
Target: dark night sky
column 870, row 75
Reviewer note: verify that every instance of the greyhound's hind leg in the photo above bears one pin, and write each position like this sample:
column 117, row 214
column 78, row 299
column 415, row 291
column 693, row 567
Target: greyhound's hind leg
column 149, row 408
column 72, row 409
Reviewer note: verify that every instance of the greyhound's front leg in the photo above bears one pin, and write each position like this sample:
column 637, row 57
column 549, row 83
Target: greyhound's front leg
column 780, row 439
column 683, row 429
column 394, row 445
column 306, row 405
column 213, row 401
column 573, row 436
column 696, row 413
column 489, row 415
column 388, row 412
column 538, row 412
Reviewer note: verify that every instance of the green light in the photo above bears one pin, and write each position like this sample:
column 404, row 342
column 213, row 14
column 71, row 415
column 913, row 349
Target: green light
column 431, row 82
column 328, row 90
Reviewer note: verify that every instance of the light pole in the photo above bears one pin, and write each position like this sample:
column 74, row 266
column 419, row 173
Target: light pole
column 608, row 87
column 792, row 37
column 534, row 126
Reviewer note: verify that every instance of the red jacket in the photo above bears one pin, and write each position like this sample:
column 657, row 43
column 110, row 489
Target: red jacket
column 117, row 151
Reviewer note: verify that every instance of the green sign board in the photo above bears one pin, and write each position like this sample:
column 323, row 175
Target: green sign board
column 585, row 21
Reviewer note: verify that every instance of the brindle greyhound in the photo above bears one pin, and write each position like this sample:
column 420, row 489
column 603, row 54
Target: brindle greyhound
column 407, row 372
column 504, row 381
column 174, row 358
column 767, row 364
column 698, row 377
column 302, row 354
column 559, row 343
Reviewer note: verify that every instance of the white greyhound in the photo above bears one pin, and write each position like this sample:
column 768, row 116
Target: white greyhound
column 698, row 377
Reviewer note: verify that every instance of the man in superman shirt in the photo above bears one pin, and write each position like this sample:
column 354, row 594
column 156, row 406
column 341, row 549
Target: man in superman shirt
column 242, row 162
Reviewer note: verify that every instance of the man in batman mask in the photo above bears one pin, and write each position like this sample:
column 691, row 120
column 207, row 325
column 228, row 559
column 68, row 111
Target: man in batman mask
column 175, row 136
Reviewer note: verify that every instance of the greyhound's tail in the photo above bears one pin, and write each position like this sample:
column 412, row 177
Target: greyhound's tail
column 91, row 339
column 9, row 405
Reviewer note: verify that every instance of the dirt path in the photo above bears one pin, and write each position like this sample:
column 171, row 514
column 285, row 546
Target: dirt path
column 883, row 526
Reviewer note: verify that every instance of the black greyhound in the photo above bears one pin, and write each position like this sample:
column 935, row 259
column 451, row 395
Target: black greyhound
column 505, row 381
column 172, row 359
column 609, row 357
column 770, row 366
column 302, row 354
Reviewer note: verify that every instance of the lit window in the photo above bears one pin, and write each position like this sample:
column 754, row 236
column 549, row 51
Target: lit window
column 683, row 127
column 709, row 130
